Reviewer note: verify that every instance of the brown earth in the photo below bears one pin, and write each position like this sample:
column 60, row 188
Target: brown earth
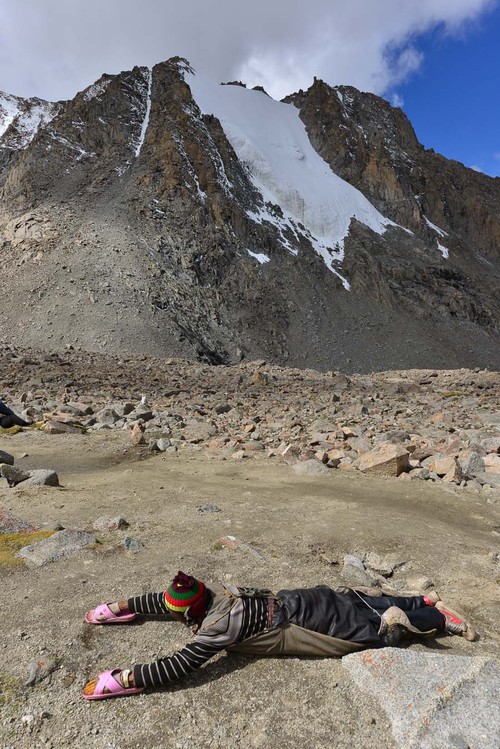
column 450, row 536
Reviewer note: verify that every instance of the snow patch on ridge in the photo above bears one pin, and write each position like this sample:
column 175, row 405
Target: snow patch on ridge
column 441, row 232
column 259, row 256
column 444, row 251
column 9, row 109
column 271, row 142
column 96, row 89
column 26, row 116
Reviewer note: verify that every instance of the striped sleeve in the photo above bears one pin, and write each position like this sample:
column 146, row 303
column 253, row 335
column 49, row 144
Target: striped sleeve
column 149, row 604
column 246, row 618
column 174, row 667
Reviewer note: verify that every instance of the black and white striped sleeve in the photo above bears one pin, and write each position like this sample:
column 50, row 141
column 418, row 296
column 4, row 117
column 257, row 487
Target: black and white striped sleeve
column 149, row 604
column 174, row 667
column 213, row 637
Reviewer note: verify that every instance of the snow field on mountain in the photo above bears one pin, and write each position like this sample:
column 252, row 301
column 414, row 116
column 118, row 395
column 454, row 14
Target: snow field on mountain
column 36, row 113
column 271, row 141
column 8, row 111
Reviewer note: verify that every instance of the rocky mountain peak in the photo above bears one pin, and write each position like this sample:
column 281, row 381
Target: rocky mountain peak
column 20, row 119
column 160, row 212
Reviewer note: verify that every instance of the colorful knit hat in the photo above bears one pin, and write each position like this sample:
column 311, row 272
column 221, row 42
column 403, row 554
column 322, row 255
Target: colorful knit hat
column 183, row 592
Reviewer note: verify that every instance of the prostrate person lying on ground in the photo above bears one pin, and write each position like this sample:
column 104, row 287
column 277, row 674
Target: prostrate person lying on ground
column 307, row 621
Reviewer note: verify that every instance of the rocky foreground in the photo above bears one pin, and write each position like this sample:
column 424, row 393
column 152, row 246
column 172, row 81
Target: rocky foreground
column 252, row 474
column 441, row 426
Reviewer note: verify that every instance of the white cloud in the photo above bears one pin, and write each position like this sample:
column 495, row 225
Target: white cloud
column 476, row 168
column 56, row 47
column 496, row 156
column 397, row 100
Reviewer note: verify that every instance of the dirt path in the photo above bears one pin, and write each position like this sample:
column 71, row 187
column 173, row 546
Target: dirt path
column 446, row 535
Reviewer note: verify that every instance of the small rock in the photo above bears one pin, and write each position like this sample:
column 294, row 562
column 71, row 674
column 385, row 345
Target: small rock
column 42, row 477
column 491, row 463
column 53, row 525
column 471, row 463
column 419, row 583
column 422, row 474
column 6, row 458
column 310, row 468
column 454, row 475
column 253, row 447
column 162, row 444
column 354, row 573
column 208, row 508
column 382, row 566
column 132, row 545
column 107, row 416
column 441, row 464
column 59, row 427
column 233, row 542
column 199, row 432
column 13, row 475
column 141, row 414
column 105, row 523
column 137, row 435
column 40, row 668
column 488, row 479
column 123, row 409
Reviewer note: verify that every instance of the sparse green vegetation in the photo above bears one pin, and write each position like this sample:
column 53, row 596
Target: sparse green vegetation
column 10, row 543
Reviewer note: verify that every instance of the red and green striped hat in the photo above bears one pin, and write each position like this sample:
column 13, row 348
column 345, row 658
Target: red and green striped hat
column 183, row 591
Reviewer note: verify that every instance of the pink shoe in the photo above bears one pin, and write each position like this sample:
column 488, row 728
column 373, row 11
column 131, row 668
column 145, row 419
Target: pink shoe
column 103, row 615
column 107, row 680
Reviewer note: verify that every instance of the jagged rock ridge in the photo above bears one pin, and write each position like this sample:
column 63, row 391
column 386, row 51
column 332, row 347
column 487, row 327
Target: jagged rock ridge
column 135, row 219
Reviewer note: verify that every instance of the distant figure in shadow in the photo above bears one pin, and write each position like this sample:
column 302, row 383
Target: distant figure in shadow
column 9, row 419
column 308, row 621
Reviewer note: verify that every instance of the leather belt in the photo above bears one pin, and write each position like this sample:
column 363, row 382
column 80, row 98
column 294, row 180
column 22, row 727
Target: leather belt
column 273, row 604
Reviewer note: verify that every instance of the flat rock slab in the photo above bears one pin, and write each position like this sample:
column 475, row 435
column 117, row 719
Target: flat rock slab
column 56, row 547
column 11, row 524
column 433, row 701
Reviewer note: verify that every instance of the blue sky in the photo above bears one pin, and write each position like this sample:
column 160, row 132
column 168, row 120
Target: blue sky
column 453, row 100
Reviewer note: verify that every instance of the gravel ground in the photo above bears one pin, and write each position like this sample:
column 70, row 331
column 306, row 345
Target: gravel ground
column 297, row 522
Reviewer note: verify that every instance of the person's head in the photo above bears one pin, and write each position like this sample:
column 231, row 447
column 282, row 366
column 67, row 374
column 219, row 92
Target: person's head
column 185, row 597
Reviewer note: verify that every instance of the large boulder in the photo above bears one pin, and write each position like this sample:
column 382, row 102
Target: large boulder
column 107, row 416
column 42, row 477
column 13, row 475
column 432, row 701
column 386, row 460
column 60, row 427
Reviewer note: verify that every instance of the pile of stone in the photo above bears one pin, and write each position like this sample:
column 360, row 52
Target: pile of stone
column 416, row 425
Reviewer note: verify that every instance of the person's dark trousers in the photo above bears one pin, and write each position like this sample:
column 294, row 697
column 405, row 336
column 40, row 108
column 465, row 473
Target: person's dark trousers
column 421, row 616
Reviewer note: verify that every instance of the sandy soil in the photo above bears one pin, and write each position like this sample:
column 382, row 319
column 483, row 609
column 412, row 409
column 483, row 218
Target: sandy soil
column 447, row 535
